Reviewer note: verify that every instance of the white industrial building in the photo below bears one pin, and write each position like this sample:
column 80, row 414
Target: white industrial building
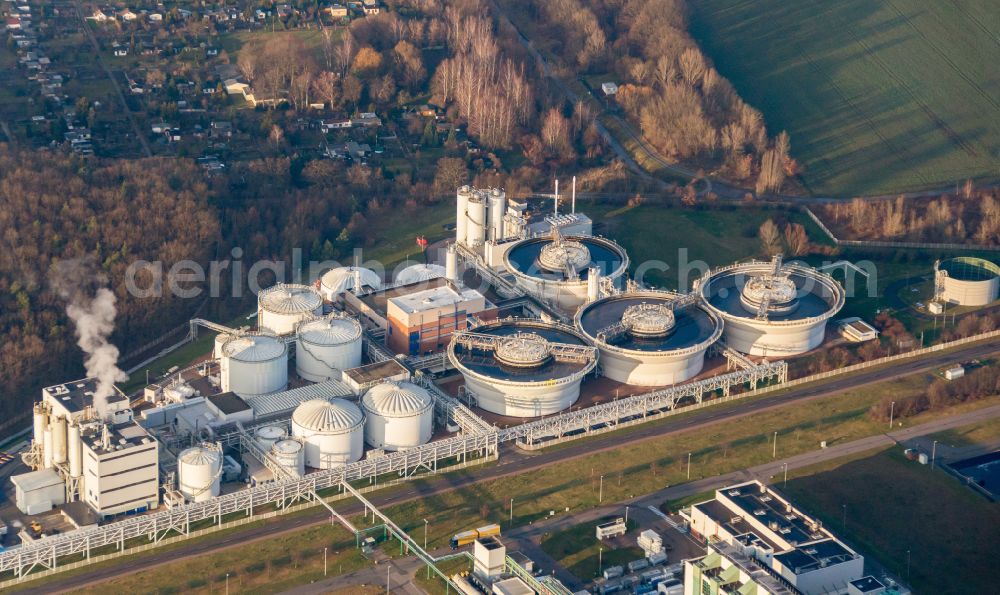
column 120, row 469
column 749, row 526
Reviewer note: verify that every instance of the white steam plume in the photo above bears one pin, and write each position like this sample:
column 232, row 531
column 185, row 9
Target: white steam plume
column 93, row 314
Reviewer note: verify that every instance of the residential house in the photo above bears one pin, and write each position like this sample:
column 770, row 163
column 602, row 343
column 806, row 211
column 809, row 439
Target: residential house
column 127, row 16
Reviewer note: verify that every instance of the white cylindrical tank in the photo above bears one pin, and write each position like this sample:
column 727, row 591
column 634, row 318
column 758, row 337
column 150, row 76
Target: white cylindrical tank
column 451, row 264
column 475, row 233
column 325, row 347
column 419, row 272
column 41, row 420
column 461, row 218
column 336, row 281
column 59, row 440
column 47, row 447
column 967, row 281
column 291, row 455
column 255, row 364
column 198, row 471
column 266, row 436
column 332, row 431
column 398, row 415
column 281, row 307
column 74, row 452
column 220, row 340
column 498, row 208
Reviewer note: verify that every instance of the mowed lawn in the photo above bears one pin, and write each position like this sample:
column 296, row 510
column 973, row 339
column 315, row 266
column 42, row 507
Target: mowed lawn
column 878, row 96
column 895, row 506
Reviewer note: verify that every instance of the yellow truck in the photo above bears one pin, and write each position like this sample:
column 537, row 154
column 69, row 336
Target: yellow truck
column 467, row 537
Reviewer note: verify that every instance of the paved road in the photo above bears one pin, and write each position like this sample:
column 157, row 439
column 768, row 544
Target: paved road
column 513, row 461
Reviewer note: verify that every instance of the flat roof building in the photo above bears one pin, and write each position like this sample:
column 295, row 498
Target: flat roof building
column 756, row 522
column 120, row 469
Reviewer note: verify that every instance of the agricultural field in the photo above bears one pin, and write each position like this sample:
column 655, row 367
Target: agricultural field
column 913, row 519
column 878, row 97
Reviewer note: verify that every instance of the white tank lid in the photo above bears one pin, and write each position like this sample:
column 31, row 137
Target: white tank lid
column 287, row 446
column 196, row 455
column 270, row 432
column 342, row 279
column 335, row 415
column 253, row 348
column 397, row 399
column 330, row 331
column 419, row 272
column 290, row 299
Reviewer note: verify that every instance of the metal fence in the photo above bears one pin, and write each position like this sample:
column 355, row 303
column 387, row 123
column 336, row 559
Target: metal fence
column 883, row 244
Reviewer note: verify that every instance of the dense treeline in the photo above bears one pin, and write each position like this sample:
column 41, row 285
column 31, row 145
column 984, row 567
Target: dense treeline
column 684, row 107
column 59, row 208
column 113, row 212
column 971, row 215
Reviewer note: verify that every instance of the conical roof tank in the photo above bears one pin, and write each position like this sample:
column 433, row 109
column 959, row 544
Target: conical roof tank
column 333, row 432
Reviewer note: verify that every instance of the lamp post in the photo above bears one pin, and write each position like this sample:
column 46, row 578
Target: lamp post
column 600, row 493
column 324, row 561
column 600, row 561
column 227, row 583
column 892, row 409
column 689, row 465
column 511, row 521
column 785, row 483
column 774, row 450
column 844, row 522
column 933, row 453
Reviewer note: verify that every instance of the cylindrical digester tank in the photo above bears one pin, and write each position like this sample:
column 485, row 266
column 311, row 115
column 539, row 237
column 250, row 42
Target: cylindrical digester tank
column 281, row 307
column 967, row 281
column 771, row 308
column 498, row 208
column 332, row 431
column 476, row 230
column 74, row 452
column 59, row 440
column 461, row 218
column 398, row 415
column 419, row 272
column 291, row 455
column 336, row 281
column 254, row 364
column 523, row 368
column 325, row 347
column 266, row 436
column 198, row 471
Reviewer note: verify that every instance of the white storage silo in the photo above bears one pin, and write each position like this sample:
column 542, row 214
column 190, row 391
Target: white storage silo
column 47, row 447
column 325, row 347
column 254, row 364
column 74, row 452
column 283, row 306
column 398, row 415
column 475, row 233
column 498, row 208
column 266, row 436
column 332, row 431
column 461, row 218
column 59, row 440
column 198, row 471
column 41, row 421
column 290, row 454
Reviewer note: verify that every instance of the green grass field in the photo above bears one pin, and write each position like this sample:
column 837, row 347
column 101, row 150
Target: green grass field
column 907, row 507
column 878, row 96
